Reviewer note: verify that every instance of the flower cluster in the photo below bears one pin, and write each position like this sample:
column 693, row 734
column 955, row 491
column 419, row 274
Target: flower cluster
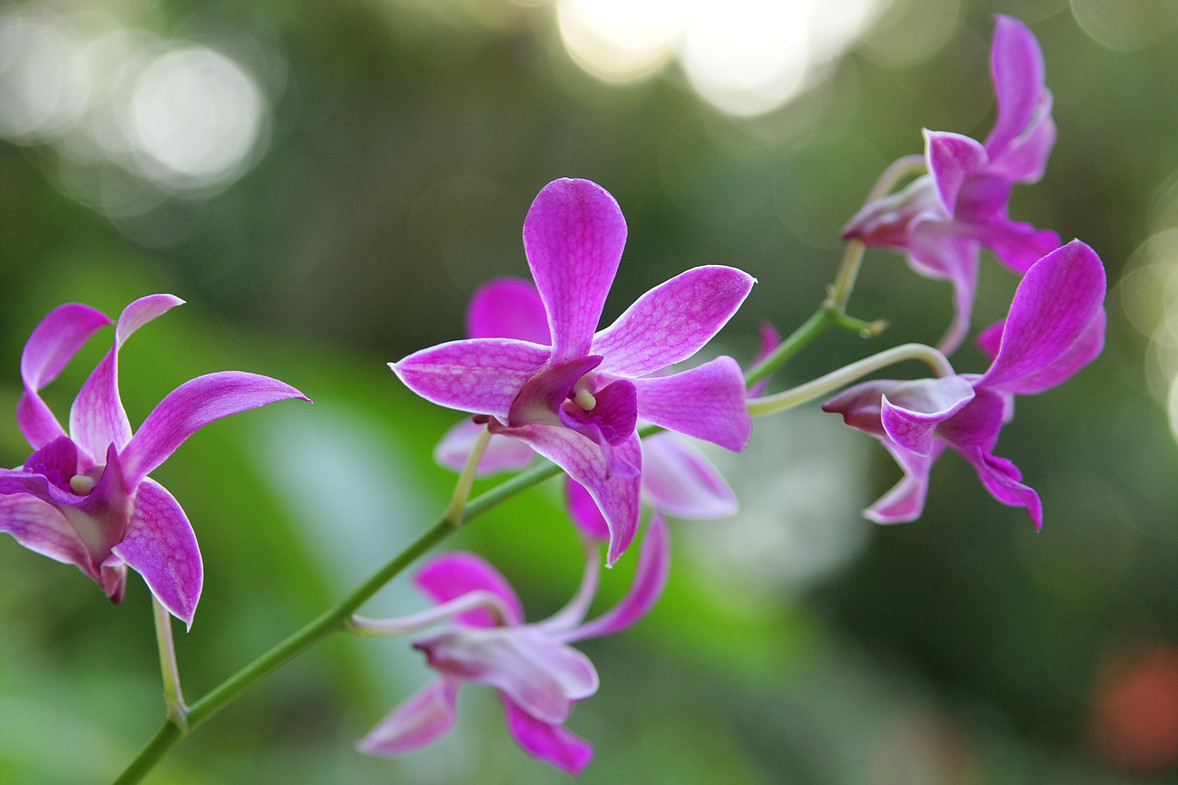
column 540, row 378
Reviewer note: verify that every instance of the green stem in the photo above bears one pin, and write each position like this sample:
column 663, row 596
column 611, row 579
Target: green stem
column 173, row 697
column 823, row 385
column 332, row 620
column 465, row 482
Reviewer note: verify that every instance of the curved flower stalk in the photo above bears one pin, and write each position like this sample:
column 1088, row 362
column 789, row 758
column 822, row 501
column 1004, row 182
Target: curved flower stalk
column 577, row 402
column 942, row 218
column 538, row 676
column 1055, row 327
column 84, row 498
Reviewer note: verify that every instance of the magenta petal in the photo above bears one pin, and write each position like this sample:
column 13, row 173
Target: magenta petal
column 573, row 237
column 540, row 398
column 547, row 741
column 583, row 510
column 617, row 495
column 40, row 527
column 481, row 376
column 952, row 158
column 1017, row 245
column 1054, row 305
column 770, row 340
column 508, row 308
column 1084, row 350
column 650, row 578
column 452, row 575
column 905, row 501
column 53, row 343
column 707, row 402
column 673, row 321
column 502, row 453
column 911, row 412
column 97, row 418
column 680, row 481
column 613, row 418
column 161, row 546
column 1002, row 479
column 542, row 675
column 1016, row 65
column 421, row 720
column 190, row 407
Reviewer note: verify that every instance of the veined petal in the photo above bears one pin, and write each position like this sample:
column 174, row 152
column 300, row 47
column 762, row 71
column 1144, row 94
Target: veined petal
column 190, row 407
column 53, row 343
column 952, row 159
column 97, row 418
column 905, row 501
column 478, row 375
column 1054, row 305
column 911, row 412
column 681, row 482
column 452, row 575
column 502, row 453
column 673, row 321
column 40, row 527
column 616, row 494
column 573, row 237
column 547, row 741
column 707, row 402
column 508, row 308
column 1085, row 349
column 650, row 578
column 542, row 675
column 161, row 546
column 1025, row 159
column 1016, row 65
column 421, row 720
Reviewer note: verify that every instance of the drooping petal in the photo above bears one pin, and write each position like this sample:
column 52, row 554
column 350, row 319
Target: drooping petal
column 1016, row 66
column 547, row 741
column 190, row 407
column 97, row 418
column 542, row 675
column 161, row 546
column 1055, row 303
column 681, row 482
column 421, row 720
column 650, row 578
column 573, row 237
column 40, row 527
column 508, row 308
column 53, row 343
column 905, row 501
column 480, row 375
column 583, row 510
column 952, row 159
column 452, row 575
column 502, row 454
column 1017, row 245
column 911, row 412
column 707, row 402
column 673, row 321
column 1002, row 479
column 935, row 251
column 616, row 494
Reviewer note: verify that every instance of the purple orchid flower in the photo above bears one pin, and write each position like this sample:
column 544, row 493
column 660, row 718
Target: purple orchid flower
column 577, row 401
column 676, row 477
column 1055, row 327
column 942, row 218
column 539, row 677
column 84, row 498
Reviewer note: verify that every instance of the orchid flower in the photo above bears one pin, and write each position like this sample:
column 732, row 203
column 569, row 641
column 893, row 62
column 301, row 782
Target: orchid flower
column 538, row 676
column 84, row 498
column 942, row 218
column 1055, row 327
column 577, row 401
column 676, row 477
